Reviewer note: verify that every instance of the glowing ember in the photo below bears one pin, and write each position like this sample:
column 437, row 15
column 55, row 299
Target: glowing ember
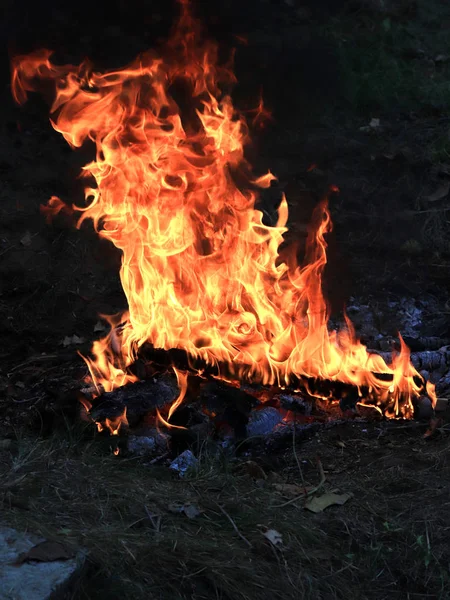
column 199, row 269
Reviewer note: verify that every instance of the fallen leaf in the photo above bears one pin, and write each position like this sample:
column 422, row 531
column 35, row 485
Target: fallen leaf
column 290, row 490
column 319, row 503
column 441, row 58
column 26, row 239
column 72, row 340
column 46, row 552
column 440, row 193
column 274, row 537
column 100, row 326
column 373, row 124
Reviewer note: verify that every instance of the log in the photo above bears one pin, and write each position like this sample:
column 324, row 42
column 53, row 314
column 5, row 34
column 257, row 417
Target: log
column 428, row 360
column 443, row 385
column 231, row 403
column 179, row 359
column 309, row 388
column 136, row 399
column 425, row 343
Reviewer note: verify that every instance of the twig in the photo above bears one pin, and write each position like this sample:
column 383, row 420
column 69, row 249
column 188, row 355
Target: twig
column 155, row 520
column 294, row 450
column 32, row 360
column 158, row 458
column 223, row 511
column 33, row 399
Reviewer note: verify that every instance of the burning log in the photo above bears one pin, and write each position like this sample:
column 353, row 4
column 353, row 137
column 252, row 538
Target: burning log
column 133, row 402
column 200, row 269
column 348, row 394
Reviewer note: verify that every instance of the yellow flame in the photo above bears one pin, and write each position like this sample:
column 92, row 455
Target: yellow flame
column 200, row 269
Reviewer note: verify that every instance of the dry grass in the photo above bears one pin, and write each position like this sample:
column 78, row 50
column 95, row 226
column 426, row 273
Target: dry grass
column 385, row 543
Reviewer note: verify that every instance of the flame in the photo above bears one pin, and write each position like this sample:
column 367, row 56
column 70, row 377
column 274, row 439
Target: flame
column 171, row 189
column 431, row 393
column 114, row 425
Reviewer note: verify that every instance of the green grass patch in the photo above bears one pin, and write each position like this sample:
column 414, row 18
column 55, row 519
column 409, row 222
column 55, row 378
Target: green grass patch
column 394, row 64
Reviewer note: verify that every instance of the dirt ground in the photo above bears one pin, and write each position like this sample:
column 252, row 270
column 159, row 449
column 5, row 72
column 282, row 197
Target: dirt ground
column 390, row 244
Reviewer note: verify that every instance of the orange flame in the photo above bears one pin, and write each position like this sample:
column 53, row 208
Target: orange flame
column 200, row 269
column 114, row 425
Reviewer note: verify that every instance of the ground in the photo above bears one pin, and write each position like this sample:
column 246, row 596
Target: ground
column 365, row 93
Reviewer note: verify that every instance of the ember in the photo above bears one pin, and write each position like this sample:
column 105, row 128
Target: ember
column 200, row 269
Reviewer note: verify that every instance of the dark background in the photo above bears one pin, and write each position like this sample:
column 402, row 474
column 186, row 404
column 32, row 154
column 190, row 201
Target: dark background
column 55, row 280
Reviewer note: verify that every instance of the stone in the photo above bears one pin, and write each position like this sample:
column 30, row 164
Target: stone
column 143, row 445
column 34, row 579
column 424, row 408
column 183, row 463
column 263, row 422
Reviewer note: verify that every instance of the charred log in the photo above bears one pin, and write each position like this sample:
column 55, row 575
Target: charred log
column 425, row 343
column 135, row 400
column 150, row 359
column 429, row 360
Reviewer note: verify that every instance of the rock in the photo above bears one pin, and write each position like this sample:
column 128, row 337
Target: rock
column 263, row 422
column 443, row 385
column 28, row 575
column 425, row 374
column 441, row 404
column 423, row 408
column 143, row 445
column 185, row 461
column 296, row 404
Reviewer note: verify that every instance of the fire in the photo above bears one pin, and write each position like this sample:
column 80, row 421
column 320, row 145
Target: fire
column 113, row 425
column 200, row 269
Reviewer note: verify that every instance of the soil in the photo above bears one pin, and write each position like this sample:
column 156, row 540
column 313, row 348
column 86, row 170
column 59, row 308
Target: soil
column 390, row 539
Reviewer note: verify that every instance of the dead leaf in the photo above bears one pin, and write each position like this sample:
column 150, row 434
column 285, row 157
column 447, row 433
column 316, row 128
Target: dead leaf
column 99, row 326
column 274, row 537
column 189, row 510
column 26, row 239
column 440, row 193
column 46, row 552
column 319, row 503
column 373, row 124
column 72, row 340
column 290, row 490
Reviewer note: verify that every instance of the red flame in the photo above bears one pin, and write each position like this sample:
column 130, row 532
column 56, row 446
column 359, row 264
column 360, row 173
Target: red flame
column 200, row 269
